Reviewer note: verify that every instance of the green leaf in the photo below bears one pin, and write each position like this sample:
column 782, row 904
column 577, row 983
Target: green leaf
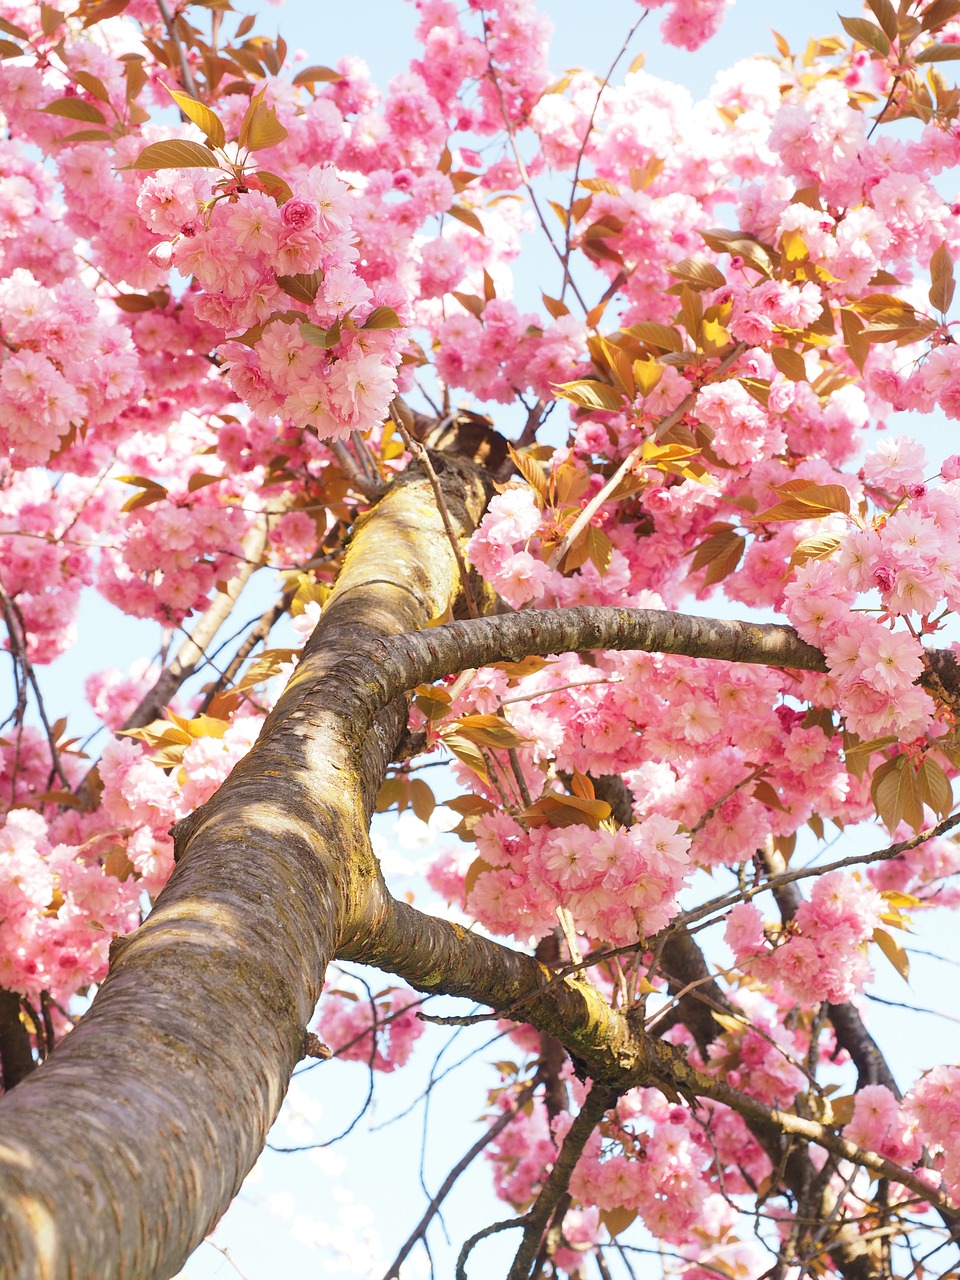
column 175, row 153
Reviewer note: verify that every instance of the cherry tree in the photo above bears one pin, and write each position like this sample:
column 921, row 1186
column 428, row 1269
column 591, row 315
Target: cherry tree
column 257, row 318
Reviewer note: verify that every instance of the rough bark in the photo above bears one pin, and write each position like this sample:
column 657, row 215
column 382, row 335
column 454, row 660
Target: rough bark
column 120, row 1153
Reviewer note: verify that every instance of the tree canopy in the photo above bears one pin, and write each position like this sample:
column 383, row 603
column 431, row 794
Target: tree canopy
column 259, row 320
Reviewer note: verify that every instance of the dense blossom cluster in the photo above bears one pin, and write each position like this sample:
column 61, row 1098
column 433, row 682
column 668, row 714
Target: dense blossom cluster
column 204, row 326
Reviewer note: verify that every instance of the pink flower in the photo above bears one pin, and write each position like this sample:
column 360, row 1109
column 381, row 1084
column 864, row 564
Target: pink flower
column 298, row 214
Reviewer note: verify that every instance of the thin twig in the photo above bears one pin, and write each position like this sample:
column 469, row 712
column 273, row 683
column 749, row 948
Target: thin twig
column 416, row 449
column 186, row 75
column 604, row 84
column 498, row 1126
column 18, row 642
column 355, row 473
column 525, row 176
column 597, row 501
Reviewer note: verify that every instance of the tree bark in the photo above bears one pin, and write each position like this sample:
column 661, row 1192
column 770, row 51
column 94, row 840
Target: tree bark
column 123, row 1150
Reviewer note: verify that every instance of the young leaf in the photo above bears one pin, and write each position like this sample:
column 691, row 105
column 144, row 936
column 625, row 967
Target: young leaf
column 75, row 109
column 894, row 952
column 382, row 318
column 200, row 114
column 590, row 394
column 488, row 731
column 865, row 33
column 942, row 283
column 566, row 811
column 719, row 554
column 310, row 75
column 895, row 794
column 466, row 216
column 174, row 153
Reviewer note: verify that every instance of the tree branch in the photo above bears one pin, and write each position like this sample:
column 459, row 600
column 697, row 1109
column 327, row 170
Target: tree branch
column 16, row 1058
column 597, row 1103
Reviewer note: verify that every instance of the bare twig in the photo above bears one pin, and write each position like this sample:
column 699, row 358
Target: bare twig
column 18, row 643
column 419, row 1231
column 416, row 449
column 604, row 84
column 358, row 475
column 599, row 498
column 186, row 75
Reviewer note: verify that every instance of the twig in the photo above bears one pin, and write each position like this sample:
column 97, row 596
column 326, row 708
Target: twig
column 355, row 473
column 599, row 498
column 264, row 625
column 483, row 1141
column 524, row 175
column 18, row 642
column 416, row 449
column 186, row 75
column 598, row 1101
column 604, row 84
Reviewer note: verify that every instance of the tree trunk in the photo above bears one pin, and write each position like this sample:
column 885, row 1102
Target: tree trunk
column 121, row 1152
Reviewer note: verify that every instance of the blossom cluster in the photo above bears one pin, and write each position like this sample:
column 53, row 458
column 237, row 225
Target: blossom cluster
column 380, row 1032
column 823, row 955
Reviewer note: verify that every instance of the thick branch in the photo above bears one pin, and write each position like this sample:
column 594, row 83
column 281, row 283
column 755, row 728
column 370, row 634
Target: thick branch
column 16, row 1060
column 119, row 1155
